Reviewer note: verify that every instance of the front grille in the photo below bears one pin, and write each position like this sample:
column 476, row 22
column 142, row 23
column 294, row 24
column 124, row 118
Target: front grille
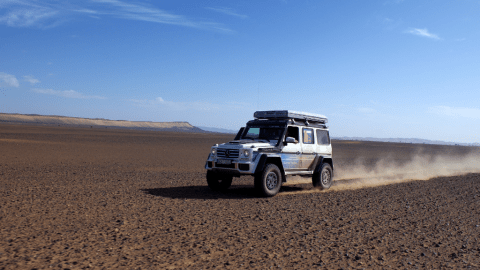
column 227, row 153
column 229, row 166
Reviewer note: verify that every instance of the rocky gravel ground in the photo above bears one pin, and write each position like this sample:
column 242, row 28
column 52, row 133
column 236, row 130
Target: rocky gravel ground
column 73, row 198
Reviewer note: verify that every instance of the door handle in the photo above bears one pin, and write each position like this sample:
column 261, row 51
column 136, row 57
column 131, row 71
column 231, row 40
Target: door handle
column 298, row 153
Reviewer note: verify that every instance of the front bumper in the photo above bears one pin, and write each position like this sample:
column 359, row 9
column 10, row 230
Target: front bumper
column 236, row 166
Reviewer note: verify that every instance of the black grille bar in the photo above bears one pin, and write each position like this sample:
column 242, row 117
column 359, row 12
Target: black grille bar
column 227, row 153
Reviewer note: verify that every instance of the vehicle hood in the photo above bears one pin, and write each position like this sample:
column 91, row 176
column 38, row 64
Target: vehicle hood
column 249, row 144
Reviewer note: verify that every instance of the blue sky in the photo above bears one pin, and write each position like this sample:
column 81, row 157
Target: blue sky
column 387, row 68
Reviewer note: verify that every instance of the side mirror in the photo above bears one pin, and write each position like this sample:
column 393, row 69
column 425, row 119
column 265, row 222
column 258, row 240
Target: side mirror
column 290, row 140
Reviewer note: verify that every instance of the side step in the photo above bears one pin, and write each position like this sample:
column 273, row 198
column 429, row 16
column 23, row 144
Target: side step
column 299, row 173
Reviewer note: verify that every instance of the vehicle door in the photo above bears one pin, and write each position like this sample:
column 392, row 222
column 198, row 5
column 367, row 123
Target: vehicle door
column 308, row 147
column 291, row 152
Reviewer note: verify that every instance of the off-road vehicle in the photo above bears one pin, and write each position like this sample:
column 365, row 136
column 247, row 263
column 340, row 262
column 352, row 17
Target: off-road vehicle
column 273, row 147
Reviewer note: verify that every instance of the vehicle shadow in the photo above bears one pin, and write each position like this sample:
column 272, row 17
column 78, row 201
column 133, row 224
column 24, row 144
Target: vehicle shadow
column 201, row 192
column 204, row 192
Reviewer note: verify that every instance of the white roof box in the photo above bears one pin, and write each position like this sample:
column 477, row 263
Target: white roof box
column 291, row 115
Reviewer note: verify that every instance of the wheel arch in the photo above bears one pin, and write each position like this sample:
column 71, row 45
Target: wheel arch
column 323, row 160
column 264, row 160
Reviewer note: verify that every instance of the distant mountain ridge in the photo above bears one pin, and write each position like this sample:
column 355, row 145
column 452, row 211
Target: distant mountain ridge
column 218, row 130
column 54, row 120
column 393, row 140
column 96, row 122
column 403, row 140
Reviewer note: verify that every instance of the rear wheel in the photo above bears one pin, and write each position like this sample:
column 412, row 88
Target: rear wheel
column 324, row 178
column 218, row 182
column 269, row 182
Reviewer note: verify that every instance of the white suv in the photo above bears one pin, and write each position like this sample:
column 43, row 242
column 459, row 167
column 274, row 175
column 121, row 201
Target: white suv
column 274, row 145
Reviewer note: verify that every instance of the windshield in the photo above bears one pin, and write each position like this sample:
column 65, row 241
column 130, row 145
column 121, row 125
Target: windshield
column 262, row 133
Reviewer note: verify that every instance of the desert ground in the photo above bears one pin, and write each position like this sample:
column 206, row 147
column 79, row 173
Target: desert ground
column 97, row 198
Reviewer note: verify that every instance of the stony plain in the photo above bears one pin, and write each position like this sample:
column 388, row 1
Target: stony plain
column 93, row 198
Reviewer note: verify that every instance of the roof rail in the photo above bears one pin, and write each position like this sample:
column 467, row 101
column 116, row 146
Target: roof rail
column 285, row 114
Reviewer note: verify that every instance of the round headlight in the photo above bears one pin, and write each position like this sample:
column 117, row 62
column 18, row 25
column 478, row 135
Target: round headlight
column 246, row 153
column 214, row 151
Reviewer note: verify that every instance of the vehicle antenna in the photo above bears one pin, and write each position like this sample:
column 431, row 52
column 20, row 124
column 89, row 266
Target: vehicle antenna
column 258, row 97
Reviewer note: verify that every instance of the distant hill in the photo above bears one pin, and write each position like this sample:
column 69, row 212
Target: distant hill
column 218, row 130
column 53, row 120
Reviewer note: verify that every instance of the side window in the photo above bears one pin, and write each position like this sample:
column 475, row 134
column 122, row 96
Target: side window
column 308, row 136
column 322, row 137
column 292, row 132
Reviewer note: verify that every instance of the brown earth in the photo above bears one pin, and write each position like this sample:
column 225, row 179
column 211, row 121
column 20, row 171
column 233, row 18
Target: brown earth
column 74, row 198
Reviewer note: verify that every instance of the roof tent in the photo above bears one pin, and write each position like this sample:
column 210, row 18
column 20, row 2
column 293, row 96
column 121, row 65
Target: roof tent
column 285, row 114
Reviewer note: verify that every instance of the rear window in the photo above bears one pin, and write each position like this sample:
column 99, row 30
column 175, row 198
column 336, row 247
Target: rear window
column 322, row 137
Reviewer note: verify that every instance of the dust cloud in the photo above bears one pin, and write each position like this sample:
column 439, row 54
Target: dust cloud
column 389, row 170
column 419, row 167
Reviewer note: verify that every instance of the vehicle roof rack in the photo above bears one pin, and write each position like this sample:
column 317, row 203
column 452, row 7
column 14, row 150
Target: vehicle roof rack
column 285, row 114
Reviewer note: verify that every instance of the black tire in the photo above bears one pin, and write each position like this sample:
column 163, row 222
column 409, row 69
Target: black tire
column 324, row 178
column 218, row 182
column 269, row 182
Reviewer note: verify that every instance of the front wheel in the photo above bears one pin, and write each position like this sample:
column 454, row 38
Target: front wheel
column 218, row 182
column 268, row 183
column 324, row 178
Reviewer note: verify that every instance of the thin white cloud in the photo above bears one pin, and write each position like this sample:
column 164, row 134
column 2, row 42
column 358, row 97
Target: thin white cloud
column 32, row 13
column 151, row 14
column 387, row 20
column 227, row 11
column 154, row 101
column 394, row 2
column 390, row 24
column 65, row 94
column 87, row 11
column 456, row 112
column 30, row 79
column 28, row 13
column 421, row 32
column 9, row 80
column 175, row 105
column 188, row 105
column 366, row 110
